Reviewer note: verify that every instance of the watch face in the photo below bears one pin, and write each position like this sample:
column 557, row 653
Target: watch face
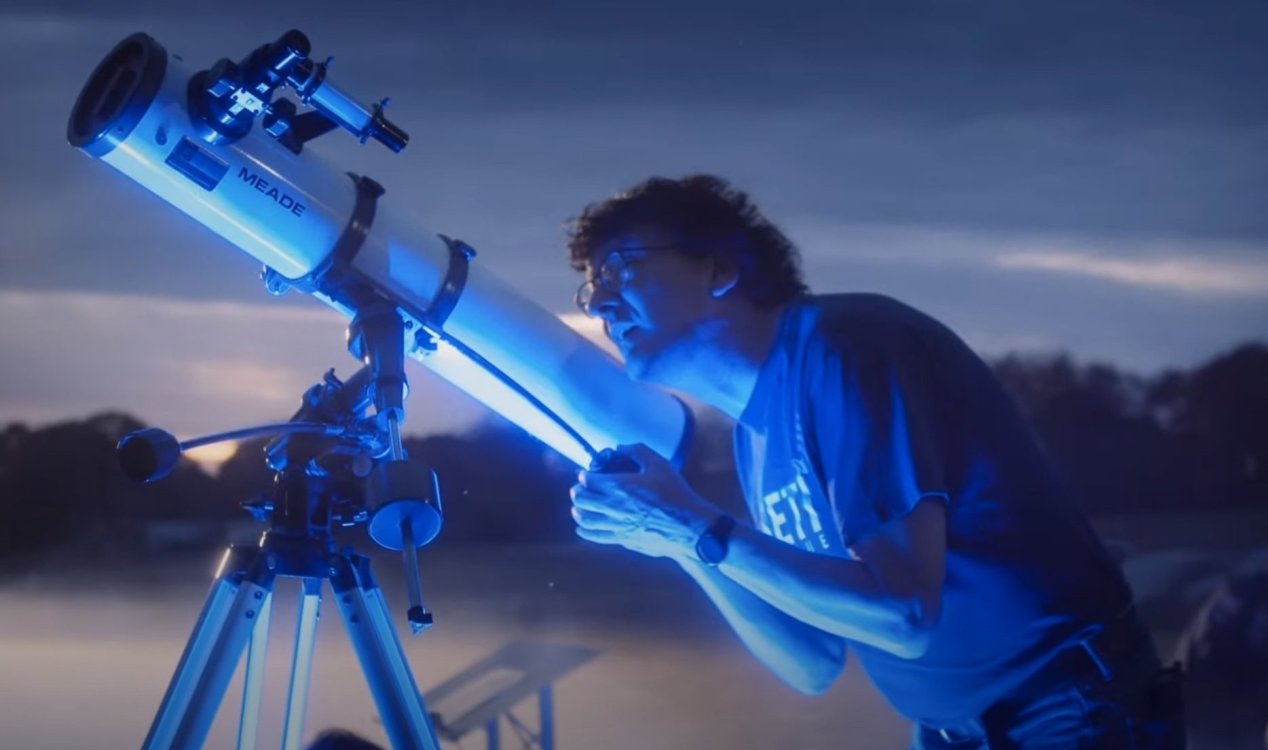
column 710, row 549
column 712, row 545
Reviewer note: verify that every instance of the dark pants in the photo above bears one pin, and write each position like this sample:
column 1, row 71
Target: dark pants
column 1107, row 692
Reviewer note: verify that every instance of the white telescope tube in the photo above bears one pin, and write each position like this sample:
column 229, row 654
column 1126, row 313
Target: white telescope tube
column 289, row 211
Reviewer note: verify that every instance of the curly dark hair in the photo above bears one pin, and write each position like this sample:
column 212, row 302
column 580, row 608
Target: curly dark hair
column 706, row 217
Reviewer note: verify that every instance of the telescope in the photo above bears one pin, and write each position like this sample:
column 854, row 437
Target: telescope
column 223, row 147
column 227, row 147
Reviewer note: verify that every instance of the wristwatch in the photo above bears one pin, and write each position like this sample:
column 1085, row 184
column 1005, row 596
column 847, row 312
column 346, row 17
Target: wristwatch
column 711, row 547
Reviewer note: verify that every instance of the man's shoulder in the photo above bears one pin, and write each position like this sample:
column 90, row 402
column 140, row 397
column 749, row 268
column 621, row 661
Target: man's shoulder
column 855, row 305
column 859, row 318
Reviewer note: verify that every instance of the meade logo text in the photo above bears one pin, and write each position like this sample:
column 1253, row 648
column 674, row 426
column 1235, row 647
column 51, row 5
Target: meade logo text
column 282, row 199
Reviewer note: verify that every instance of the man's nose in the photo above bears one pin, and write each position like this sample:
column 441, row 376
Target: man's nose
column 603, row 303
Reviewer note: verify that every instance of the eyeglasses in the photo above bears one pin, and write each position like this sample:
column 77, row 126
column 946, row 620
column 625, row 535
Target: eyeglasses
column 614, row 275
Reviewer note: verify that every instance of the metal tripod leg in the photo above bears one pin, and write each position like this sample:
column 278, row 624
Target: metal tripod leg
column 242, row 587
column 302, row 663
column 253, row 680
column 239, row 599
column 383, row 662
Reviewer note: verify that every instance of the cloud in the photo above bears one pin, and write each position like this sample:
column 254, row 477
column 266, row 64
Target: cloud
column 1199, row 267
column 248, row 381
column 192, row 367
column 39, row 28
column 1196, row 276
column 985, row 117
column 961, row 135
column 960, row 277
column 123, row 308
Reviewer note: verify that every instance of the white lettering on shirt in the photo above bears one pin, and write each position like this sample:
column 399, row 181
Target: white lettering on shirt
column 790, row 516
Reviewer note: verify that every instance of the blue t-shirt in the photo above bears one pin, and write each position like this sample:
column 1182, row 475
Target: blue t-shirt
column 864, row 407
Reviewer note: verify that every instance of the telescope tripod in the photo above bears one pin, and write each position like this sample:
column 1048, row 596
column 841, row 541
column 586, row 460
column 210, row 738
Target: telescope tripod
column 333, row 465
column 237, row 612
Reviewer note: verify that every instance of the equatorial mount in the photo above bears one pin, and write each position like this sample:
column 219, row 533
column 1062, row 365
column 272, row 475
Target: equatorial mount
column 335, row 463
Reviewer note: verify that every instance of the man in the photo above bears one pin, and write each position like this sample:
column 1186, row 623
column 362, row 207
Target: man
column 901, row 506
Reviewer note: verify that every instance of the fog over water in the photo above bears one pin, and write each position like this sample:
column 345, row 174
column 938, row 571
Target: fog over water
column 87, row 659
column 86, row 652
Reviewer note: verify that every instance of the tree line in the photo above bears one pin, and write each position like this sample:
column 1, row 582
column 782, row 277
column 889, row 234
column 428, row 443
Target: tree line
column 1179, row 440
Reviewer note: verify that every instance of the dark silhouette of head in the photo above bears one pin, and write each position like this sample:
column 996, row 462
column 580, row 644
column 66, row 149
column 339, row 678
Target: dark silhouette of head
column 341, row 739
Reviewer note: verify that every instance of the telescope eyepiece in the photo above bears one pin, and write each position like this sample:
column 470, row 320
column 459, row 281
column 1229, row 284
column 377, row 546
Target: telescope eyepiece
column 386, row 132
column 294, row 44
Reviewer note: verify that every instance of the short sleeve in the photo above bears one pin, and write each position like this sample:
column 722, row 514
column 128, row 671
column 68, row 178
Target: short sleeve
column 871, row 437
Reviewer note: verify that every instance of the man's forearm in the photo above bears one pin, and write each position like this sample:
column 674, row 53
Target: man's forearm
column 806, row 658
column 840, row 596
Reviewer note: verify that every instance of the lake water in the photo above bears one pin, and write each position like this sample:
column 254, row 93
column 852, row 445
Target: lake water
column 85, row 656
column 86, row 659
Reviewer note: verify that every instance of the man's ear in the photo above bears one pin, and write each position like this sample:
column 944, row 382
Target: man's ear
column 725, row 277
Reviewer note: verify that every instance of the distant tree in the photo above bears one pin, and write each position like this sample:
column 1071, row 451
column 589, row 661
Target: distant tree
column 244, row 475
column 1181, row 439
column 61, row 485
column 11, row 439
column 1096, row 425
column 1035, row 380
column 58, row 481
column 1219, row 416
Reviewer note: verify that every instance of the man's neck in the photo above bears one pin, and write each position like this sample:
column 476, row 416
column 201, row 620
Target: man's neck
column 724, row 370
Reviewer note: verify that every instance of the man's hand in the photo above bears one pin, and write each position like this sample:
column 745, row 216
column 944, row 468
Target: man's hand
column 652, row 511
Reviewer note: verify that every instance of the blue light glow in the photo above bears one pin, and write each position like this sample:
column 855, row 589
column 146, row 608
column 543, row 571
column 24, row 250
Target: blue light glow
column 488, row 390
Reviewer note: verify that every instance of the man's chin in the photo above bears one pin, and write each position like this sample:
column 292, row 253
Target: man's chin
column 642, row 368
column 640, row 362
column 636, row 367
